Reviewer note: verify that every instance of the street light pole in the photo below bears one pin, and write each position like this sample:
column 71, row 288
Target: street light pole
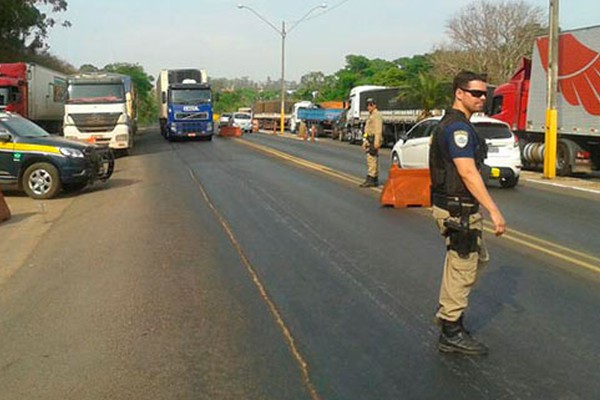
column 282, row 32
column 282, row 120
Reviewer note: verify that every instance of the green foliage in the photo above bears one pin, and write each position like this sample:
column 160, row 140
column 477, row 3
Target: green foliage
column 24, row 26
column 147, row 108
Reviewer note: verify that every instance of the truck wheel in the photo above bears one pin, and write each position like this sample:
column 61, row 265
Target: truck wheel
column 41, row 181
column 565, row 156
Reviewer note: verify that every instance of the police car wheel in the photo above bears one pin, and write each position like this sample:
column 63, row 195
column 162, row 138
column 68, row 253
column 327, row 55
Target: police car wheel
column 41, row 181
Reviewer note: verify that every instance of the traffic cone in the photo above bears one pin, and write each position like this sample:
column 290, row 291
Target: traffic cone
column 406, row 188
column 4, row 210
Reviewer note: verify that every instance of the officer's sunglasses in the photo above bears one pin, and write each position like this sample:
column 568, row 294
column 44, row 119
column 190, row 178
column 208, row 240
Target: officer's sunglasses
column 475, row 93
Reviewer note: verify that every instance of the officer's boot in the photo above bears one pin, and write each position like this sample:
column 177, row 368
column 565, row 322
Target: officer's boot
column 366, row 182
column 376, row 181
column 369, row 182
column 454, row 339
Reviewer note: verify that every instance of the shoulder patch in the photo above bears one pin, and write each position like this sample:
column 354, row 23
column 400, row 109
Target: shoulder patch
column 461, row 138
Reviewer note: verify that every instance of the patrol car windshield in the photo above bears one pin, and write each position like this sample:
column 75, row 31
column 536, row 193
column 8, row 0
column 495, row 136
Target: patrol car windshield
column 190, row 96
column 96, row 93
column 22, row 127
column 493, row 131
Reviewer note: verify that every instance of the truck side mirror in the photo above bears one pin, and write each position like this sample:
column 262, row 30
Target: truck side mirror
column 164, row 97
column 5, row 137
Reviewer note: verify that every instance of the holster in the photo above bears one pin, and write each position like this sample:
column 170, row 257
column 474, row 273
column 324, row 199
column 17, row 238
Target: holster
column 463, row 240
column 372, row 150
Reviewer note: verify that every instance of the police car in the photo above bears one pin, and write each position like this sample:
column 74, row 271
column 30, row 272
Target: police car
column 503, row 159
column 41, row 164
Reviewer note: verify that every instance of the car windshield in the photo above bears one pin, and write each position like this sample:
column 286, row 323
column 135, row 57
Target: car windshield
column 22, row 127
column 190, row 96
column 489, row 130
column 241, row 116
column 96, row 93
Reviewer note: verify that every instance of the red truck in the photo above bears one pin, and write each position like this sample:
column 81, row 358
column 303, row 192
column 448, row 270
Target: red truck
column 522, row 102
column 35, row 92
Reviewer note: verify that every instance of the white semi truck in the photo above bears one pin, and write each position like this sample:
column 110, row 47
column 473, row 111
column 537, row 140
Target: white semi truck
column 101, row 108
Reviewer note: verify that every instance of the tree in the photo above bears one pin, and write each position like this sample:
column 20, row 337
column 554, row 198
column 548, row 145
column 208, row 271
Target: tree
column 489, row 37
column 426, row 92
column 24, row 26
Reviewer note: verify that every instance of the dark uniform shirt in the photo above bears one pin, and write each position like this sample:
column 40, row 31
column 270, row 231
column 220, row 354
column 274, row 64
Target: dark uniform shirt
column 455, row 137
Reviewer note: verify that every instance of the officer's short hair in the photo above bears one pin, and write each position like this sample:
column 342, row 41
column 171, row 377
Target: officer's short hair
column 371, row 101
column 462, row 79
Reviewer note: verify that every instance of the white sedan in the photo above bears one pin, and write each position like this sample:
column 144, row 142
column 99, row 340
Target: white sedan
column 503, row 159
column 242, row 120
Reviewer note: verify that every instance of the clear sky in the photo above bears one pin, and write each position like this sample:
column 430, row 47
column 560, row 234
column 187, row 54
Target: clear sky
column 229, row 42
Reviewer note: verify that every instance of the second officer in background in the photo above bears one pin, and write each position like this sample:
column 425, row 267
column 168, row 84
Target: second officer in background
column 372, row 139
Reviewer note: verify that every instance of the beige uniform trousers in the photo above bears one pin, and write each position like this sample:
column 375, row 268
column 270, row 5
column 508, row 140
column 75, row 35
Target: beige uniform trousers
column 460, row 274
column 372, row 165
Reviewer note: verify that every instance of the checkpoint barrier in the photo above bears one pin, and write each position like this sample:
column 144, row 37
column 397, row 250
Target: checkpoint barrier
column 407, row 188
column 230, row 131
column 4, row 210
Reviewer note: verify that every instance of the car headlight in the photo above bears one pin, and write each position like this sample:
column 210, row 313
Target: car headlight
column 74, row 153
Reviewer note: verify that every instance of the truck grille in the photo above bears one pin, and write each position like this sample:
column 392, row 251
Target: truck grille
column 96, row 122
column 191, row 115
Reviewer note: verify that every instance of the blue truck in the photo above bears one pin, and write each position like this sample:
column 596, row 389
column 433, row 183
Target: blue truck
column 322, row 119
column 185, row 104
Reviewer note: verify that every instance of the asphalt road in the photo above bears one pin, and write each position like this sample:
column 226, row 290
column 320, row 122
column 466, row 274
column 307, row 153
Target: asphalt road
column 215, row 270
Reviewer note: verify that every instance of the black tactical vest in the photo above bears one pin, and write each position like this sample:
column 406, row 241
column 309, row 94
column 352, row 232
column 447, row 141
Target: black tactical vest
column 445, row 181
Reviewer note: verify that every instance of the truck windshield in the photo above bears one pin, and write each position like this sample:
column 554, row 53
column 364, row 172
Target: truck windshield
column 96, row 93
column 190, row 96
column 22, row 127
column 4, row 96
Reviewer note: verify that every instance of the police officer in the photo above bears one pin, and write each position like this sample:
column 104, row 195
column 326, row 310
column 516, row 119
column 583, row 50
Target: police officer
column 372, row 140
column 455, row 160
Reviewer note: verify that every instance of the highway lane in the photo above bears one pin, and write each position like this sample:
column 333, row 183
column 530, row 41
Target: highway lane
column 565, row 217
column 210, row 270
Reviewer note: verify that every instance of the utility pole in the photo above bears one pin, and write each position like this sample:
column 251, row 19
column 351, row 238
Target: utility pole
column 551, row 95
column 283, row 35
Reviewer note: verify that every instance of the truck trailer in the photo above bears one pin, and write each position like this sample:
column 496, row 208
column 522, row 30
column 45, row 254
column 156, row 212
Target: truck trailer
column 34, row 92
column 101, row 108
column 185, row 104
column 268, row 113
column 522, row 102
column 397, row 118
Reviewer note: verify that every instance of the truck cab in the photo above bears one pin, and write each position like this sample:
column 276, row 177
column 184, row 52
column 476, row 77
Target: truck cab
column 189, row 110
column 97, row 110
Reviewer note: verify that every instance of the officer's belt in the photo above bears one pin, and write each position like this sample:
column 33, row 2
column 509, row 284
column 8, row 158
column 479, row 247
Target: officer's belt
column 441, row 201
